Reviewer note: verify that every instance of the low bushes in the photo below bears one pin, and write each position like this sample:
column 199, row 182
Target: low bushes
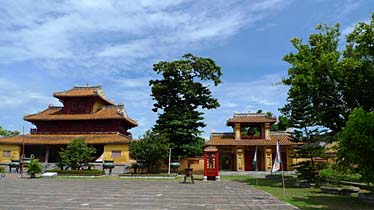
column 78, row 172
column 366, row 197
column 338, row 175
column 340, row 190
column 148, row 175
column 2, row 170
column 34, row 168
column 278, row 178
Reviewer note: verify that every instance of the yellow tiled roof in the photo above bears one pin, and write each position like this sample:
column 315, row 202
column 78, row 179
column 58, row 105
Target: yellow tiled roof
column 56, row 113
column 56, row 139
column 250, row 118
column 82, row 92
column 221, row 139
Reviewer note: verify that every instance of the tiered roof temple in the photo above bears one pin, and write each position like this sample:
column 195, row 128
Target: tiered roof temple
column 86, row 113
column 251, row 131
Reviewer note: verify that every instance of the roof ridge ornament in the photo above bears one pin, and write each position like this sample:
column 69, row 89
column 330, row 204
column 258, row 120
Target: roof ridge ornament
column 121, row 110
column 87, row 87
column 250, row 114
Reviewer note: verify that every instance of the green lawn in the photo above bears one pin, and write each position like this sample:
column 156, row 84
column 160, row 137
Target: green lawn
column 304, row 198
column 118, row 178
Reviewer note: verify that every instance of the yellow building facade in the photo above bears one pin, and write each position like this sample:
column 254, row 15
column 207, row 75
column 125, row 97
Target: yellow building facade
column 9, row 152
column 86, row 114
column 119, row 153
column 251, row 140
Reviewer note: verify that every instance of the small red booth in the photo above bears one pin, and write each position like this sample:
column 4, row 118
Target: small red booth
column 211, row 163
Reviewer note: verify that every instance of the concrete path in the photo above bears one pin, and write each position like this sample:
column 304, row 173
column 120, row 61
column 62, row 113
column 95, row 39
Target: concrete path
column 56, row 193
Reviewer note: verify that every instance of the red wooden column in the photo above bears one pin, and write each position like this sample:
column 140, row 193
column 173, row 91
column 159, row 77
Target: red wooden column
column 211, row 163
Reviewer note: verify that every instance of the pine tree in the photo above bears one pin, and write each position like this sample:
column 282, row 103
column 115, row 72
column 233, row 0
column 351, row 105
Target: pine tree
column 180, row 95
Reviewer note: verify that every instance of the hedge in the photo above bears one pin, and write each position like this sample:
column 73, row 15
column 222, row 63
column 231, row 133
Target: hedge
column 78, row 172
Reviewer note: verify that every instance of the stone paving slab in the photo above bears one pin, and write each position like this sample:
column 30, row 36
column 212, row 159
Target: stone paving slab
column 16, row 193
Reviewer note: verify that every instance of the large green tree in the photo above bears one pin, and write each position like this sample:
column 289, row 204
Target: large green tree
column 281, row 125
column 357, row 67
column 301, row 117
column 356, row 144
column 334, row 82
column 8, row 133
column 77, row 154
column 179, row 96
column 149, row 150
column 313, row 81
column 327, row 84
column 313, row 98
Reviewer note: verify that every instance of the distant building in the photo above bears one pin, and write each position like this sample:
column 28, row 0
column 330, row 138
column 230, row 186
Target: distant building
column 86, row 113
column 250, row 130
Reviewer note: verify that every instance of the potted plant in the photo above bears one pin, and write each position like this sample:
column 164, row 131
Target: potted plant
column 2, row 173
column 34, row 168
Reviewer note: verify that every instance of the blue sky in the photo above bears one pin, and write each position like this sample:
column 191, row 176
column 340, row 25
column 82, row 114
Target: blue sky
column 49, row 46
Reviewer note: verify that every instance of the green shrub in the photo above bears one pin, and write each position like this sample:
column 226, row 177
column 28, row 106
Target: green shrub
column 149, row 151
column 60, row 165
column 78, row 172
column 34, row 167
column 278, row 177
column 356, row 143
column 331, row 173
column 2, row 170
column 77, row 154
column 307, row 170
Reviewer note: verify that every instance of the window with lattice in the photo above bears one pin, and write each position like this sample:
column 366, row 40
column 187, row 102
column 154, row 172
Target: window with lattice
column 6, row 153
column 211, row 161
column 250, row 132
column 116, row 154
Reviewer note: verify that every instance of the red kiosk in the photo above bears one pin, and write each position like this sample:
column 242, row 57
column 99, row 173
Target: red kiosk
column 211, row 163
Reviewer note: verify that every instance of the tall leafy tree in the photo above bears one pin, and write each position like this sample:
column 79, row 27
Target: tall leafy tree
column 312, row 77
column 281, row 125
column 336, row 82
column 356, row 144
column 8, row 133
column 357, row 76
column 149, row 150
column 301, row 117
column 179, row 96
column 77, row 154
column 326, row 84
column 357, row 67
column 313, row 98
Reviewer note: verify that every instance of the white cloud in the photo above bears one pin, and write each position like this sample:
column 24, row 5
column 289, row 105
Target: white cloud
column 134, row 49
column 338, row 9
column 348, row 6
column 62, row 34
column 259, row 94
column 241, row 97
column 18, row 99
column 267, row 5
column 261, row 101
column 266, row 26
column 250, row 96
column 115, row 43
column 230, row 105
column 15, row 96
column 349, row 29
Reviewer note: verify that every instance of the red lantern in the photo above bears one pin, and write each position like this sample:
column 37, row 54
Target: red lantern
column 211, row 163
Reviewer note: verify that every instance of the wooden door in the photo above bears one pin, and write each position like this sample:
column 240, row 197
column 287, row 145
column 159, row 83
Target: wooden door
column 283, row 161
column 248, row 160
column 259, row 160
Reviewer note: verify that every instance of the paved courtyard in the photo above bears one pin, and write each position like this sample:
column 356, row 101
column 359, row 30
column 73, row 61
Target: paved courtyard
column 55, row 193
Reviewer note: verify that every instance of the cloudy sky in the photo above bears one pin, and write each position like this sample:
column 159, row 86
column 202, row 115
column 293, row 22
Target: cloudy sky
column 49, row 46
